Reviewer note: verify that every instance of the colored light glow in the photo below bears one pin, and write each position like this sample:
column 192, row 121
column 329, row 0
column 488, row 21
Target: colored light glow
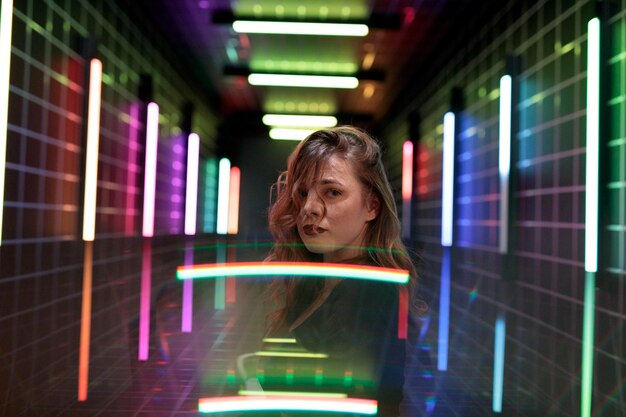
column 444, row 312
column 593, row 146
column 220, row 283
column 149, row 189
column 288, row 403
column 407, row 187
column 85, row 323
column 231, row 284
column 233, row 201
column 403, row 313
column 278, row 340
column 6, row 23
column 301, row 28
column 290, row 134
column 144, row 303
column 294, row 120
column 308, row 81
column 589, row 307
column 294, row 394
column 447, row 198
column 191, row 198
column 223, row 196
column 292, row 355
column 133, row 145
column 187, row 314
column 209, row 195
column 498, row 363
column 371, row 273
column 91, row 158
column 505, row 158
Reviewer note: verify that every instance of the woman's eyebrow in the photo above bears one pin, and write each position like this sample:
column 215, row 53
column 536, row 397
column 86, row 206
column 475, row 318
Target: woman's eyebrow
column 327, row 181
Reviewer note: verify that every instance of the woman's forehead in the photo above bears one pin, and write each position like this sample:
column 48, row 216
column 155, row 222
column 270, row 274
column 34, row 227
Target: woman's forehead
column 330, row 169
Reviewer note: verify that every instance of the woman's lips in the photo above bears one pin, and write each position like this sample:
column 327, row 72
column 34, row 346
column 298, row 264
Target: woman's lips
column 311, row 230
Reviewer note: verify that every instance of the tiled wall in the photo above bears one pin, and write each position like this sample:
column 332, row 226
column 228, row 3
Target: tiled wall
column 543, row 300
column 41, row 257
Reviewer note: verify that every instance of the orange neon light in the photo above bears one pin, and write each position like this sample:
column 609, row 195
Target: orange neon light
column 233, row 201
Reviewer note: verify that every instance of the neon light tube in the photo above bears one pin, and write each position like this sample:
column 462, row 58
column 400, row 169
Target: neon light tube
column 91, row 158
column 312, row 269
column 447, row 198
column 288, row 403
column 187, row 316
column 6, row 23
column 133, row 145
column 220, row 283
column 292, row 355
column 498, row 363
column 295, row 120
column 209, row 195
column 85, row 323
column 505, row 158
column 294, row 394
column 308, row 81
column 191, row 197
column 278, row 340
column 301, row 28
column 444, row 312
column 589, row 307
column 290, row 134
column 593, row 146
column 407, row 187
column 144, row 303
column 233, row 201
column 222, row 196
column 152, row 140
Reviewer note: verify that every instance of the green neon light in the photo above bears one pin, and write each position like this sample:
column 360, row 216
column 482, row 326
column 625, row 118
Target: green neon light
column 288, row 403
column 295, row 394
column 289, row 134
column 278, row 340
column 301, row 28
column 588, row 337
column 373, row 273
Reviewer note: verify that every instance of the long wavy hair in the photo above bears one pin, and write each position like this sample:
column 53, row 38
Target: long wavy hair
column 383, row 244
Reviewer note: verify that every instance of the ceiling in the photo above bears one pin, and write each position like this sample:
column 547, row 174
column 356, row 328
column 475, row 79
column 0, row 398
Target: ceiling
column 399, row 58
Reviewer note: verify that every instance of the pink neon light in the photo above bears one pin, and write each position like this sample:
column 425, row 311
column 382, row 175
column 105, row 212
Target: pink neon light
column 152, row 139
column 233, row 201
column 187, row 316
column 407, row 170
column 133, row 144
column 144, row 306
column 403, row 313
column 191, row 201
column 85, row 323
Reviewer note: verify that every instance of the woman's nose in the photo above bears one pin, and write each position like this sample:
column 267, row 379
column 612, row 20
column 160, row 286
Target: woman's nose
column 312, row 205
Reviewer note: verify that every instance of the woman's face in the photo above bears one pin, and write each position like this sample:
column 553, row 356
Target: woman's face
column 335, row 212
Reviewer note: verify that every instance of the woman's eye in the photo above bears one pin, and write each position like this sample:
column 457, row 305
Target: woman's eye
column 303, row 193
column 334, row 193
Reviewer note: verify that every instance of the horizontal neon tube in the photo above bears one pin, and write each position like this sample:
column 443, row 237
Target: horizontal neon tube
column 288, row 403
column 312, row 81
column 278, row 340
column 301, row 28
column 149, row 193
column 290, row 134
column 91, row 158
column 6, row 22
column 372, row 273
column 191, row 201
column 292, row 355
column 297, row 120
column 294, row 394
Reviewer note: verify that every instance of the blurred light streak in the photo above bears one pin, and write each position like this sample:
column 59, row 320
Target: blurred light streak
column 300, row 28
column 292, row 355
column 231, row 285
column 91, row 158
column 498, row 362
column 444, row 312
column 152, row 140
column 209, row 195
column 85, row 323
column 233, row 201
column 278, row 340
column 447, row 198
column 299, row 120
column 407, row 187
column 144, row 304
column 288, row 403
column 220, row 282
column 305, row 81
column 403, row 313
column 191, row 196
column 6, row 23
column 220, row 269
column 294, row 394
column 223, row 196
column 133, row 145
column 505, row 158
column 187, row 314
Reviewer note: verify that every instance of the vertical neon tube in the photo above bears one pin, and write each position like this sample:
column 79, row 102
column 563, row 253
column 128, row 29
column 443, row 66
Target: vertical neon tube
column 191, row 200
column 6, row 23
column 144, row 303
column 133, row 145
column 85, row 323
column 447, row 185
column 498, row 362
column 149, row 190
column 91, row 159
column 209, row 195
column 223, row 196
column 187, row 316
column 407, row 187
column 505, row 158
column 233, row 201
column 444, row 312
column 591, row 210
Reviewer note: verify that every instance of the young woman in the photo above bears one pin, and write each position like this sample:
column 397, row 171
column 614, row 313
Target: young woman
column 334, row 204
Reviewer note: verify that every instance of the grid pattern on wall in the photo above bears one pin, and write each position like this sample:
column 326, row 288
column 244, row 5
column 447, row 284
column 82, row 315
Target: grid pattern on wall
column 543, row 302
column 41, row 258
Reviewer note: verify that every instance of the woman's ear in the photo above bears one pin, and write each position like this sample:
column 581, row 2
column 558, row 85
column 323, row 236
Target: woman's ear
column 373, row 206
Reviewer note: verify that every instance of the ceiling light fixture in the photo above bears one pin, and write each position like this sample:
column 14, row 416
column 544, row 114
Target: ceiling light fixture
column 298, row 120
column 301, row 28
column 278, row 133
column 310, row 81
